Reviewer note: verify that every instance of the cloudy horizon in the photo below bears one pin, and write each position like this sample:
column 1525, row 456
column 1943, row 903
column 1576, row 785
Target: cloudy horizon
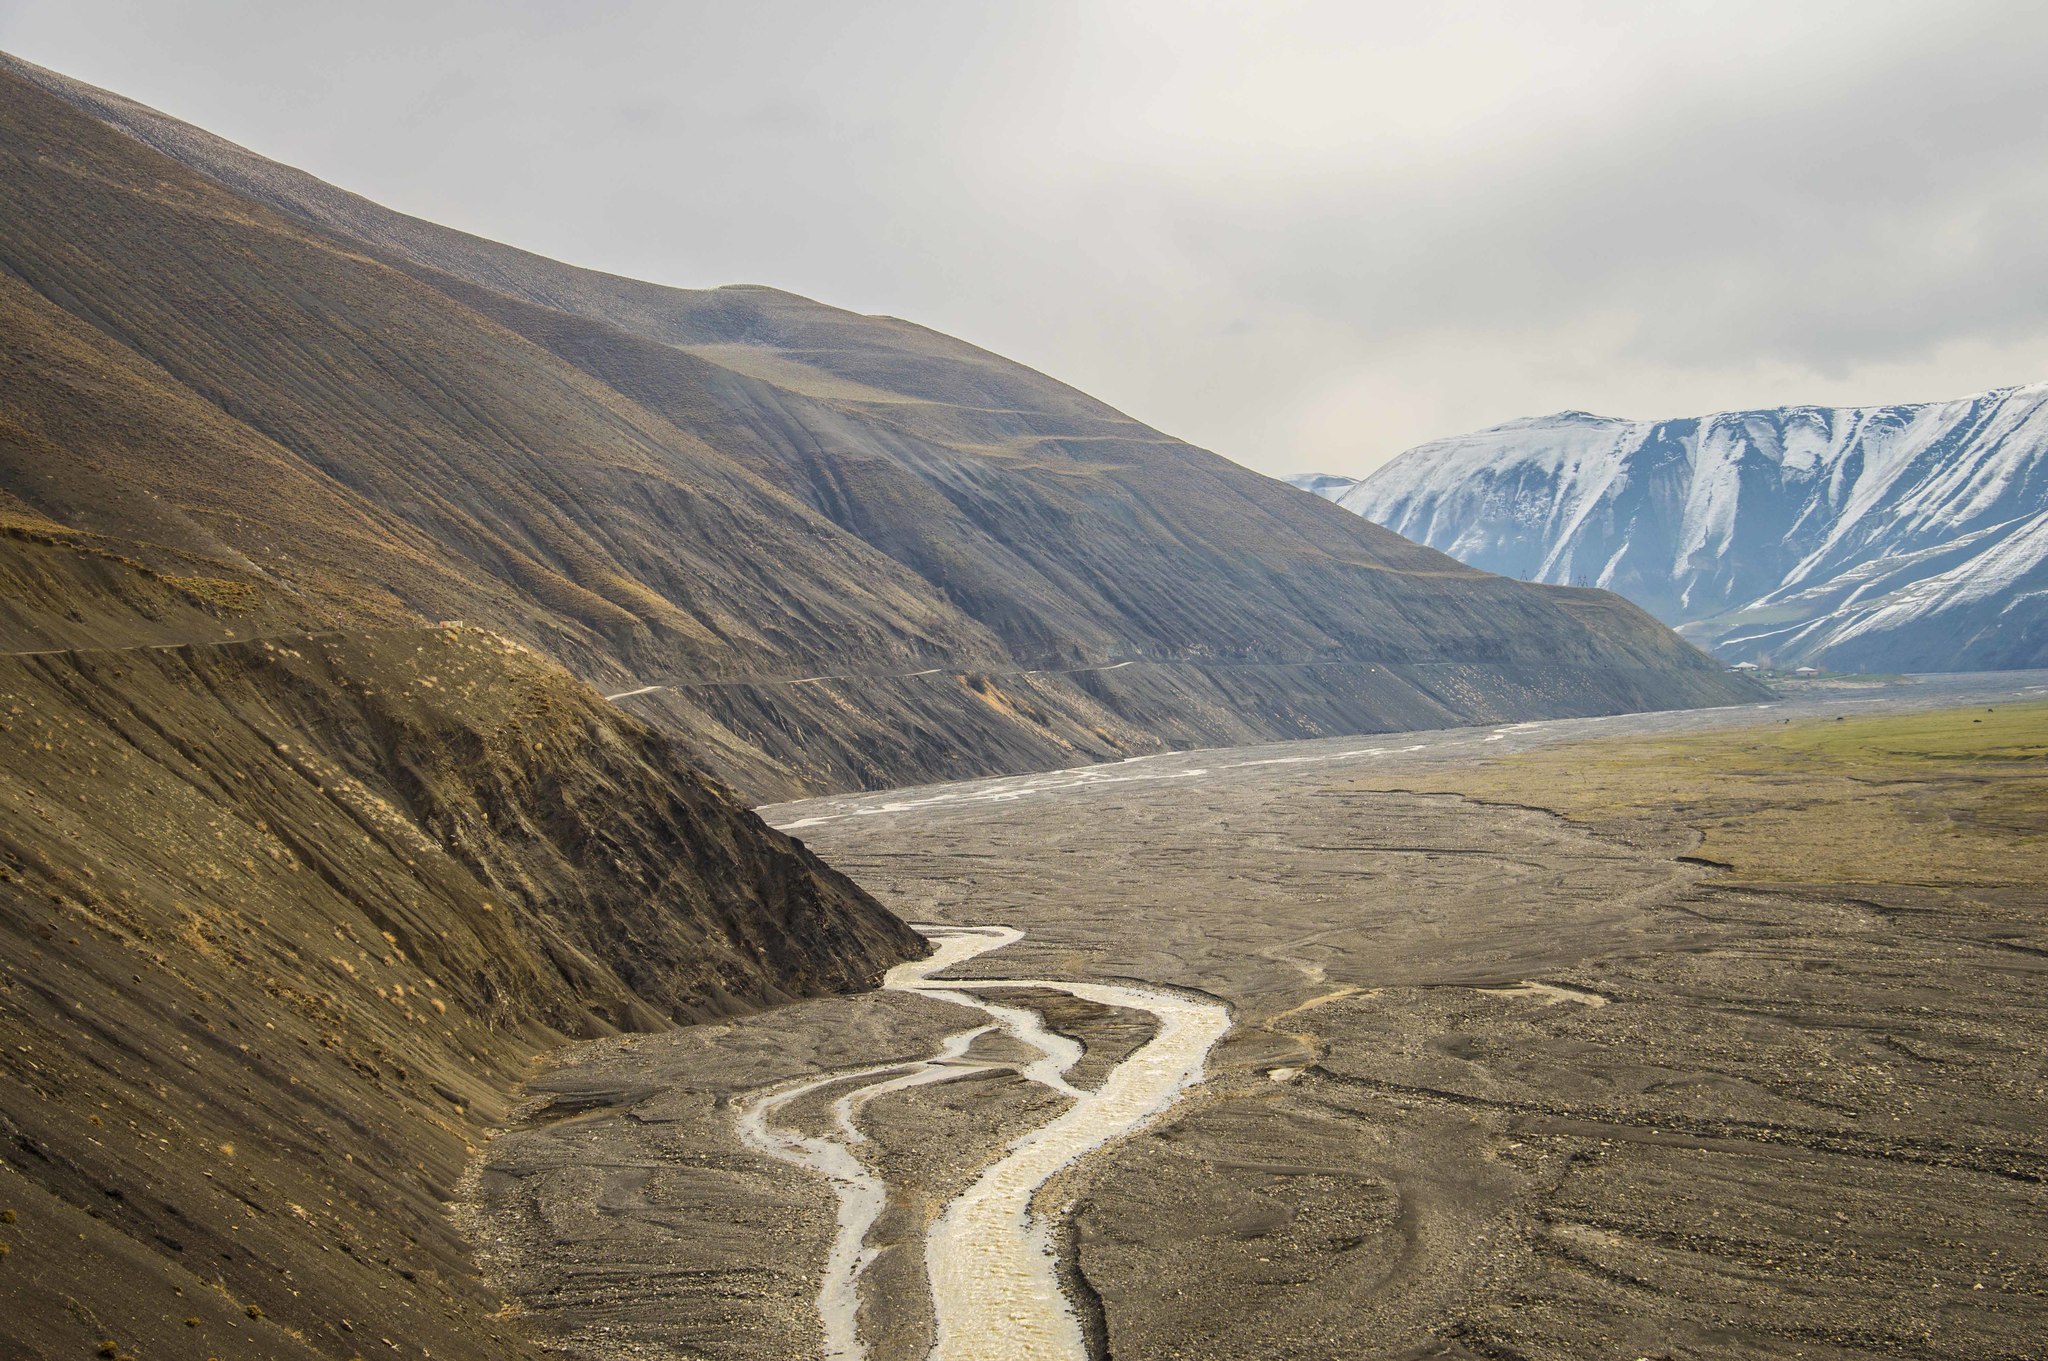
column 1304, row 235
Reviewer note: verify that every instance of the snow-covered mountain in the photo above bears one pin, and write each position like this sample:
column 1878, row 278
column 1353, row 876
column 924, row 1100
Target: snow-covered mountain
column 1329, row 486
column 1860, row 538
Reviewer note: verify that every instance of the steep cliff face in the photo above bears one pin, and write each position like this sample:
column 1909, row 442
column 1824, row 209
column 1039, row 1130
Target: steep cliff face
column 844, row 549
column 282, row 924
column 1898, row 538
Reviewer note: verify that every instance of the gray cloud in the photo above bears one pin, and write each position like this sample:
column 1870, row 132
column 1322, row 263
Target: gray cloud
column 1305, row 234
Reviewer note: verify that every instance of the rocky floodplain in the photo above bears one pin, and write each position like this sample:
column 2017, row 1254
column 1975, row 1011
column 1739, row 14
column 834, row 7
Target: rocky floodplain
column 1550, row 1040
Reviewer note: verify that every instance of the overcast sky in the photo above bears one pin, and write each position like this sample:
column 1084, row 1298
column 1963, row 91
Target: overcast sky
column 1306, row 235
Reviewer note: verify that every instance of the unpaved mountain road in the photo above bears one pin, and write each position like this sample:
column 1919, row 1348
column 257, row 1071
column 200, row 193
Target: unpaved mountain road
column 1496, row 1085
column 857, row 678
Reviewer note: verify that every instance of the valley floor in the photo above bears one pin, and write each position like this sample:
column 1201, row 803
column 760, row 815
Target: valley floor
column 1673, row 1035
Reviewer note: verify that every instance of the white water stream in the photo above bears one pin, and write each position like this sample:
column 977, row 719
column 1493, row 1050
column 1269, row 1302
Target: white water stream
column 993, row 1273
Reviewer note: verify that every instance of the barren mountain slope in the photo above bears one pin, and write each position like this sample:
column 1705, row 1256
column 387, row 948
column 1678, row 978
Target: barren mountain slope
column 190, row 376
column 520, row 485
column 598, row 447
column 281, row 925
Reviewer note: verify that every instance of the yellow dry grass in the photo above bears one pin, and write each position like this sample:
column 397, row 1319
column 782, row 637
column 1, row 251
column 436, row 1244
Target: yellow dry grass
column 1951, row 799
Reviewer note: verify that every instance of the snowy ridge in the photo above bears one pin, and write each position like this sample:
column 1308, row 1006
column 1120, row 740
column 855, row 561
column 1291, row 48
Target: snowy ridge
column 1326, row 485
column 1892, row 537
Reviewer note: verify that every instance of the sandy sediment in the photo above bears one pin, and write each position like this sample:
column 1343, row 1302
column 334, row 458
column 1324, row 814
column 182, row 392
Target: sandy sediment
column 989, row 1256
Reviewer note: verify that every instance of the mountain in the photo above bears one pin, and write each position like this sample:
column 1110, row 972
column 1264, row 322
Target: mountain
column 826, row 550
column 1893, row 538
column 294, row 886
column 317, row 526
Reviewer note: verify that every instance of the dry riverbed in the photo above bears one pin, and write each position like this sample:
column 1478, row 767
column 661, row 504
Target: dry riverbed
column 1512, row 1069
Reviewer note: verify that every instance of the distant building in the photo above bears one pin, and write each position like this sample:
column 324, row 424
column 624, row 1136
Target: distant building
column 1807, row 671
column 1744, row 666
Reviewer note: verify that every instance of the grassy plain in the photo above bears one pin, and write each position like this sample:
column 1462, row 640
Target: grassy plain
column 1955, row 801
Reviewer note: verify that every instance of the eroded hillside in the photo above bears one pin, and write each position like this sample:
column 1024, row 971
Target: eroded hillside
column 283, row 925
column 827, row 550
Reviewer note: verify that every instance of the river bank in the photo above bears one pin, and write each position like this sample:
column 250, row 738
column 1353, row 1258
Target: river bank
column 1499, row 1083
